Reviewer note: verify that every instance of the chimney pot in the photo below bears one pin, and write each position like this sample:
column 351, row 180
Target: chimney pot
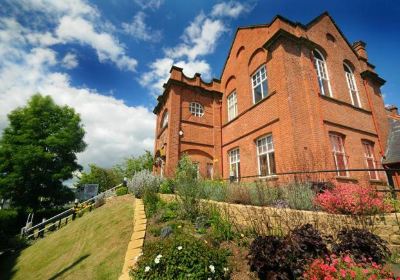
column 360, row 49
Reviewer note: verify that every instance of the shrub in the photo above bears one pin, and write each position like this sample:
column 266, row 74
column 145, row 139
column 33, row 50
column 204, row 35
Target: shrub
column 10, row 224
column 214, row 190
column 181, row 258
column 362, row 245
column 121, row 191
column 221, row 227
column 188, row 188
column 167, row 186
column 266, row 258
column 304, row 243
column 151, row 202
column 285, row 258
column 347, row 198
column 143, row 181
column 299, row 196
column 344, row 268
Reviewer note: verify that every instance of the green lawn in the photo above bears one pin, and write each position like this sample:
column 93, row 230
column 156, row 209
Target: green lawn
column 92, row 247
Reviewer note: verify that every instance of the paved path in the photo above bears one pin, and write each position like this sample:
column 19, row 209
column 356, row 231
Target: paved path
column 136, row 243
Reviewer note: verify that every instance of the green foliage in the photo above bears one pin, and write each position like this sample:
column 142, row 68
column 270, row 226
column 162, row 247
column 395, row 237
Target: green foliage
column 10, row 224
column 221, row 227
column 181, row 258
column 133, row 165
column 142, row 182
column 121, row 191
column 188, row 188
column 214, row 189
column 107, row 178
column 38, row 152
column 151, row 202
column 169, row 212
column 299, row 196
column 168, row 186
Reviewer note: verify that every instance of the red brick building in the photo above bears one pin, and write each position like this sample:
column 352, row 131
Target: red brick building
column 290, row 97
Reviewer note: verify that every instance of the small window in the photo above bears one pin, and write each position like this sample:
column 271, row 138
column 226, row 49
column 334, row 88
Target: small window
column 234, row 163
column 322, row 73
column 266, row 156
column 259, row 84
column 370, row 159
column 351, row 84
column 196, row 109
column 232, row 106
column 339, row 154
column 164, row 121
column 210, row 170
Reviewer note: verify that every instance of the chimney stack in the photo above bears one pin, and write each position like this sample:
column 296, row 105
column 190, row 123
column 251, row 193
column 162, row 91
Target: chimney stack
column 359, row 47
column 392, row 109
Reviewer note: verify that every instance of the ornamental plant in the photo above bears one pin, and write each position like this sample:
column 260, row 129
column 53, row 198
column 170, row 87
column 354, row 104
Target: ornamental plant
column 347, row 198
column 362, row 245
column 345, row 267
column 181, row 258
column 143, row 181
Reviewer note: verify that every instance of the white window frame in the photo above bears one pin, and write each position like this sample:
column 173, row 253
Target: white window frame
column 164, row 121
column 369, row 155
column 339, row 151
column 196, row 109
column 234, row 159
column 265, row 150
column 232, row 106
column 352, row 86
column 257, row 79
column 322, row 73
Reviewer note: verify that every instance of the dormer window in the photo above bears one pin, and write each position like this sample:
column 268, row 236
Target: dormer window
column 164, row 121
column 351, row 83
column 322, row 72
column 196, row 109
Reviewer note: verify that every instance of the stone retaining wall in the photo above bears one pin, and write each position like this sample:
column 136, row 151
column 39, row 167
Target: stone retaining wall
column 269, row 219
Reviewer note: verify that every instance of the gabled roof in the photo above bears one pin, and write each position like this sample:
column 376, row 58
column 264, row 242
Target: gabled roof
column 393, row 145
column 294, row 24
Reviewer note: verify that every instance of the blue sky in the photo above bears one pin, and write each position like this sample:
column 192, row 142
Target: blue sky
column 108, row 59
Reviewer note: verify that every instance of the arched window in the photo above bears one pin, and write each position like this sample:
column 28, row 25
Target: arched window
column 196, row 109
column 322, row 72
column 164, row 121
column 351, row 83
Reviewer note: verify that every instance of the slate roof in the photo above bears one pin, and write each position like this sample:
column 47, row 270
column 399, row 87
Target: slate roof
column 393, row 147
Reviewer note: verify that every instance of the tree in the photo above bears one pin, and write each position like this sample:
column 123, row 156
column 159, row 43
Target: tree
column 132, row 165
column 106, row 178
column 38, row 153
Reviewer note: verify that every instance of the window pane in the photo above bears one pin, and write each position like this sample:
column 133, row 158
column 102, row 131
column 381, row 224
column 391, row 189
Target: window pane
column 355, row 98
column 263, row 165
column 265, row 88
column 257, row 93
column 325, row 85
column 272, row 163
column 341, row 164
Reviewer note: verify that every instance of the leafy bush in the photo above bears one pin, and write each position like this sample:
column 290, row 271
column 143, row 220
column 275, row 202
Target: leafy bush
column 347, row 198
column 168, row 186
column 151, row 202
column 285, row 258
column 362, row 245
column 304, row 243
column 121, row 191
column 143, row 181
column 221, row 228
column 265, row 257
column 181, row 258
column 9, row 226
column 188, row 188
column 345, row 267
column 299, row 196
column 214, row 189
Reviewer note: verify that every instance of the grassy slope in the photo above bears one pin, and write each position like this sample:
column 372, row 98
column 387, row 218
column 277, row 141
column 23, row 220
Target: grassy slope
column 92, row 247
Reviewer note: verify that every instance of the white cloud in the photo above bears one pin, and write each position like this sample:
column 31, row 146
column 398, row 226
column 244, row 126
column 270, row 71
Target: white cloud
column 70, row 61
column 230, row 9
column 149, row 4
column 78, row 29
column 140, row 30
column 199, row 38
column 73, row 21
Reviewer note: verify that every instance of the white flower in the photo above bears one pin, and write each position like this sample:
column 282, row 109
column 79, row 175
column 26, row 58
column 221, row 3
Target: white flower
column 179, row 248
column 226, row 269
column 212, row 268
column 242, row 235
column 157, row 259
column 209, row 278
column 159, row 256
column 147, row 269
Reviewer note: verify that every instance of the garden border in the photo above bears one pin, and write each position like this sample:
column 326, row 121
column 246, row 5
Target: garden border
column 135, row 246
